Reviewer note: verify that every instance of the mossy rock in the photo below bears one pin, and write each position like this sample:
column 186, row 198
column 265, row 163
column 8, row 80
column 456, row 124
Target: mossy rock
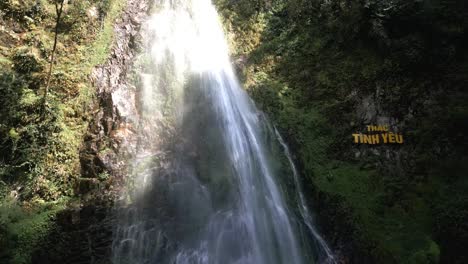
column 431, row 255
column 19, row 9
column 26, row 60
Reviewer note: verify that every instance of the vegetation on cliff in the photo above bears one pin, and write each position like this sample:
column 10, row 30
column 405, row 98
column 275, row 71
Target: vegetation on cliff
column 323, row 70
column 40, row 143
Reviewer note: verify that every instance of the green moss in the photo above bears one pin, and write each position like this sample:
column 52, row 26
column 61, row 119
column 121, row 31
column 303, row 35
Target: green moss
column 5, row 61
column 47, row 149
column 39, row 157
column 40, row 153
column 29, row 98
column 430, row 255
column 22, row 231
column 26, row 60
column 99, row 51
column 309, row 69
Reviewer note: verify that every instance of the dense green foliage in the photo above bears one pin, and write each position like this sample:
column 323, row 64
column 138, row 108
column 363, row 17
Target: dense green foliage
column 22, row 230
column 39, row 152
column 317, row 67
column 313, row 66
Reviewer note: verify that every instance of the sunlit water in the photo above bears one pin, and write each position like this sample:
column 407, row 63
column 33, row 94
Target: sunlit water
column 224, row 189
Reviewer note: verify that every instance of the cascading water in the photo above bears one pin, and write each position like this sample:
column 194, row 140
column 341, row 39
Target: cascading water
column 221, row 188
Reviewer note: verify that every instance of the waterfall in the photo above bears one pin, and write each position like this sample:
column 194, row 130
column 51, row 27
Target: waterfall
column 212, row 182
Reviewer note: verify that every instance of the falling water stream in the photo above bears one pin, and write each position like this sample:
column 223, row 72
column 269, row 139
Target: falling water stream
column 213, row 181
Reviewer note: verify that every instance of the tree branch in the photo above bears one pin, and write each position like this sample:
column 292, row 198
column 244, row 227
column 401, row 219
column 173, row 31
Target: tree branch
column 58, row 12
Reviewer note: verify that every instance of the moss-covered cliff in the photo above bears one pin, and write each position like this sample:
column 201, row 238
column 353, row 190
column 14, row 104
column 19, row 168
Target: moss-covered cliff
column 42, row 181
column 321, row 69
column 324, row 70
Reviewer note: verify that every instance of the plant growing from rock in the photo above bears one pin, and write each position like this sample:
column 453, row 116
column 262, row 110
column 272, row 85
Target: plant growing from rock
column 58, row 14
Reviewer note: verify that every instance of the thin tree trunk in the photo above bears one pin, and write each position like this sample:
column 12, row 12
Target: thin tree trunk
column 58, row 12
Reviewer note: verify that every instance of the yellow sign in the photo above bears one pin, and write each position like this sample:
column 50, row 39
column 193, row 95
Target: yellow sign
column 385, row 137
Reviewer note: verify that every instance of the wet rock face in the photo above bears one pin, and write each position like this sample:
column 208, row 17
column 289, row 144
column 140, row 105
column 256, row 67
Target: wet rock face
column 111, row 137
column 83, row 232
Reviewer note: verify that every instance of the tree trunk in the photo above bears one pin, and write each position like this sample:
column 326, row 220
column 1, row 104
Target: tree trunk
column 58, row 12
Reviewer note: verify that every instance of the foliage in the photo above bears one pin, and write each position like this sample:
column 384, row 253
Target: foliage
column 42, row 155
column 39, row 155
column 20, row 9
column 310, row 64
column 23, row 229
